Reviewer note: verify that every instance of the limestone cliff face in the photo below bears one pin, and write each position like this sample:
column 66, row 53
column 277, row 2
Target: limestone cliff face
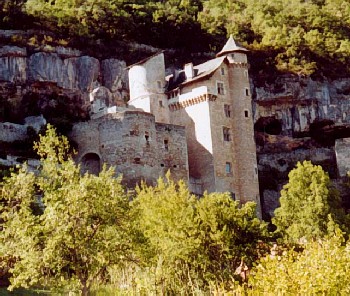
column 297, row 118
column 57, row 72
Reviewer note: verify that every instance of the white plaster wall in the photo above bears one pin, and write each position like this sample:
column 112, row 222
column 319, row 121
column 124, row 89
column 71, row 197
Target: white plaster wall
column 143, row 78
column 138, row 84
column 200, row 114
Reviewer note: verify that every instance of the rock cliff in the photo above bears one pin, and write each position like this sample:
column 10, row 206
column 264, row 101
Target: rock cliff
column 298, row 118
column 42, row 82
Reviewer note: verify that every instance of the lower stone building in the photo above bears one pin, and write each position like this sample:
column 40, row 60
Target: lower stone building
column 131, row 141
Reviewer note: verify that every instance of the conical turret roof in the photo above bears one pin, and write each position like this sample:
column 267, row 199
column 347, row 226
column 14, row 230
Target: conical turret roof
column 231, row 46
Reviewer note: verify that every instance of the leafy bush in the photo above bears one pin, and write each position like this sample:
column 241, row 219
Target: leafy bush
column 193, row 242
column 322, row 268
column 309, row 205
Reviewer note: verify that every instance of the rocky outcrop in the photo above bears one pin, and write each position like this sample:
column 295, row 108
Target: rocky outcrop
column 296, row 119
column 58, row 71
column 11, row 132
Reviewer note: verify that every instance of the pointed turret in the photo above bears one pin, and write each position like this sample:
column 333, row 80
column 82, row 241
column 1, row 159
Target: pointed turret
column 231, row 46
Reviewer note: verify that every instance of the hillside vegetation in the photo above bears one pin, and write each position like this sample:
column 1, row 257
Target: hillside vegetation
column 297, row 36
column 64, row 231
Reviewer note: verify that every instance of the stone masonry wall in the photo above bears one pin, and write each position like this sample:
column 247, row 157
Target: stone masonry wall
column 133, row 143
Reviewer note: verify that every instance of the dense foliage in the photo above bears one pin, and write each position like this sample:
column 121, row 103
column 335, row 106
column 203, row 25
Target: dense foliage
column 300, row 36
column 61, row 228
column 322, row 268
column 196, row 240
column 310, row 207
column 67, row 231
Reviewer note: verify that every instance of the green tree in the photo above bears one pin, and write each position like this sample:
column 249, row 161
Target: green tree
column 302, row 36
column 322, row 268
column 62, row 229
column 309, row 204
column 193, row 242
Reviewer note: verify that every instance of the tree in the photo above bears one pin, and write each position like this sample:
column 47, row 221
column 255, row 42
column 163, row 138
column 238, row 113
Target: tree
column 61, row 228
column 321, row 268
column 309, row 204
column 194, row 242
column 302, row 36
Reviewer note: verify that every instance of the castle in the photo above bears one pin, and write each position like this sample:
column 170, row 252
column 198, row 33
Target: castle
column 197, row 123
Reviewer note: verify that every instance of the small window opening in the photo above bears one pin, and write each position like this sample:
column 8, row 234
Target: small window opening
column 220, row 88
column 246, row 113
column 160, row 103
column 137, row 160
column 102, row 146
column 233, row 195
column 147, row 138
column 256, row 171
column 246, row 91
column 222, row 71
column 232, row 55
column 226, row 134
column 162, row 165
column 159, row 84
column 246, row 74
column 175, row 166
column 166, row 145
column 227, row 109
column 228, row 168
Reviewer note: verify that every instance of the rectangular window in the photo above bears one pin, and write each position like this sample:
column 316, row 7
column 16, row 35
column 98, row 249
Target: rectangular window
column 227, row 134
column 246, row 73
column 222, row 71
column 160, row 103
column 246, row 113
column 220, row 88
column 147, row 138
column 246, row 91
column 166, row 145
column 228, row 168
column 227, row 109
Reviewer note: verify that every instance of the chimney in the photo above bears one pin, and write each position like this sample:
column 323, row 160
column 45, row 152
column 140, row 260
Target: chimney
column 189, row 72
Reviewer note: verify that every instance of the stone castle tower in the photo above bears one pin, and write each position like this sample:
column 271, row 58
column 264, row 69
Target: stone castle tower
column 213, row 102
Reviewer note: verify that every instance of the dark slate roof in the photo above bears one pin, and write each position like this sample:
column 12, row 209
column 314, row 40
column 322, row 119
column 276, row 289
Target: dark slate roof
column 206, row 69
column 200, row 71
column 231, row 46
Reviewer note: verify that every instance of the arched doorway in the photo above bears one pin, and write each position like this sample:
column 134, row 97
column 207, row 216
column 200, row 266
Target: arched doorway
column 91, row 163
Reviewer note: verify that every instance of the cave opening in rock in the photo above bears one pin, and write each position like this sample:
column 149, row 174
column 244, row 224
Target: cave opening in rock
column 269, row 125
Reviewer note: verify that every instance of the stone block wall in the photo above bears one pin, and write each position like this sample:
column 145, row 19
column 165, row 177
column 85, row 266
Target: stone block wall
column 135, row 145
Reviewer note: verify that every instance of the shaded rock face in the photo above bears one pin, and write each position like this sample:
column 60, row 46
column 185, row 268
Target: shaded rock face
column 58, row 72
column 298, row 119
